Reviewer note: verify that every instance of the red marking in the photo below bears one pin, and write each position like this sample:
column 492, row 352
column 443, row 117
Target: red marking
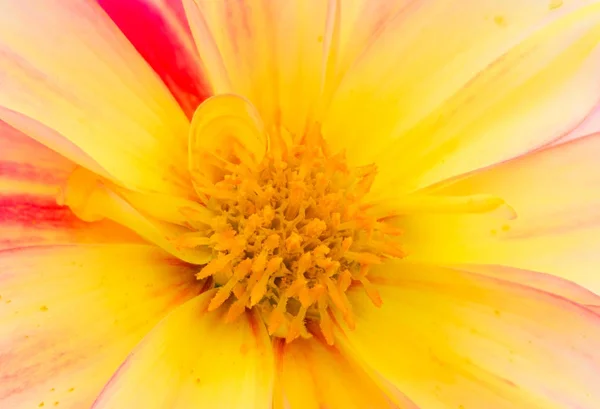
column 254, row 324
column 313, row 328
column 279, row 350
column 38, row 219
column 156, row 40
column 24, row 171
column 41, row 212
column 19, row 376
column 207, row 285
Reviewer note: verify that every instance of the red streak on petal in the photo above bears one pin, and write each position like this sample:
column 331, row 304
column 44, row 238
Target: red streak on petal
column 157, row 41
column 42, row 212
column 28, row 172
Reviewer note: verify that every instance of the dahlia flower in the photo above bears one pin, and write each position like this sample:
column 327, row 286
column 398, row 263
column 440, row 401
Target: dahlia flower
column 299, row 204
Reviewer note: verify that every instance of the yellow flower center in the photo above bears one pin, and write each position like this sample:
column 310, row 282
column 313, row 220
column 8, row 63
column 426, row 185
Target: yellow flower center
column 291, row 237
column 278, row 223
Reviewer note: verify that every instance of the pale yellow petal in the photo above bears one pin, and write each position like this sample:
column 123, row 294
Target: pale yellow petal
column 69, row 315
column 451, row 339
column 89, row 94
column 555, row 195
column 194, row 360
column 271, row 52
column 542, row 281
column 446, row 87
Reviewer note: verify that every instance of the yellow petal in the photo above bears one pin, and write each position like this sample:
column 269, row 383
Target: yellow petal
column 555, row 195
column 93, row 98
column 227, row 129
column 451, row 339
column 92, row 199
column 271, row 52
column 493, row 89
column 30, row 176
column 194, row 360
column 69, row 315
column 314, row 375
column 171, row 209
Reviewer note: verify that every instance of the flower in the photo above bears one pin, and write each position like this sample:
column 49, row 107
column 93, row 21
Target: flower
column 299, row 204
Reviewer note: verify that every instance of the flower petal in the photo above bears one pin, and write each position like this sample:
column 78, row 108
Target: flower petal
column 225, row 129
column 590, row 125
column 194, row 359
column 555, row 195
column 93, row 199
column 30, row 176
column 159, row 31
column 92, row 98
column 541, row 281
column 451, row 339
column 69, row 315
column 314, row 375
column 271, row 52
column 494, row 89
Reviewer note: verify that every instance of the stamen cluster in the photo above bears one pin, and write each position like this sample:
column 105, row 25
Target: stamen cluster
column 291, row 237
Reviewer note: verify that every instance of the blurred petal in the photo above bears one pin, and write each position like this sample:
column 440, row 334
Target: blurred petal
column 314, row 375
column 494, row 90
column 159, row 31
column 451, row 339
column 69, row 315
column 89, row 94
column 30, row 176
column 271, row 52
column 555, row 193
column 193, row 359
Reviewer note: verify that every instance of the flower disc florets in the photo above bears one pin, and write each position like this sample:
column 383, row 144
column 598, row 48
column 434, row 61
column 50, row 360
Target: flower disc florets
column 291, row 237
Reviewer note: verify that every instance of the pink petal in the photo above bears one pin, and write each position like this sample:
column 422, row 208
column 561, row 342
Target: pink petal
column 159, row 31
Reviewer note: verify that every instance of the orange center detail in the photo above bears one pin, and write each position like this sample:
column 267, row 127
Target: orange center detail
column 291, row 237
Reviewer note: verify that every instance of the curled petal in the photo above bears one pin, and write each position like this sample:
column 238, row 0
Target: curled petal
column 30, row 178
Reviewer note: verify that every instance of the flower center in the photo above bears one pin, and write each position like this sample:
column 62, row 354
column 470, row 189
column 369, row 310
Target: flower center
column 280, row 225
column 291, row 237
